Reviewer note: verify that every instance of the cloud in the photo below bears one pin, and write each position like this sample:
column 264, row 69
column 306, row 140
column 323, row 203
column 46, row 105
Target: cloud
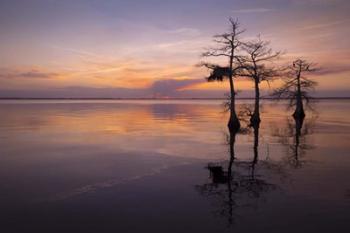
column 252, row 10
column 78, row 52
column 335, row 69
column 185, row 31
column 158, row 89
column 323, row 25
column 171, row 87
column 318, row 2
column 188, row 47
column 74, row 92
column 30, row 74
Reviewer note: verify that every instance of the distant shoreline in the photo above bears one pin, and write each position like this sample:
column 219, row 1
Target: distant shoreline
column 247, row 98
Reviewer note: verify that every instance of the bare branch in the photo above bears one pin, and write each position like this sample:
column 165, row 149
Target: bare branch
column 254, row 63
column 296, row 87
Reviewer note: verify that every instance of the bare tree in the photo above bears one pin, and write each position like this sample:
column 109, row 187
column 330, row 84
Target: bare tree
column 256, row 68
column 228, row 45
column 296, row 86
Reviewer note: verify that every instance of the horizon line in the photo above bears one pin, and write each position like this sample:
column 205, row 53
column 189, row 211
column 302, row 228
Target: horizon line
column 173, row 98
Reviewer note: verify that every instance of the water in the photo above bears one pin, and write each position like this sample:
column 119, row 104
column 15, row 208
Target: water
column 141, row 166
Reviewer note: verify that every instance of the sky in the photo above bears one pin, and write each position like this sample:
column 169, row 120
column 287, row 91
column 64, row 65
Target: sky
column 150, row 48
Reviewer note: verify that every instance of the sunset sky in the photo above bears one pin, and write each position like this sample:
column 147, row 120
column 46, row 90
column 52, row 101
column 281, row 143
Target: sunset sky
column 150, row 48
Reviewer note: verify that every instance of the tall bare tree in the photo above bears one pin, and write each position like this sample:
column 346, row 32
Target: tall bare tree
column 258, row 67
column 228, row 45
column 296, row 86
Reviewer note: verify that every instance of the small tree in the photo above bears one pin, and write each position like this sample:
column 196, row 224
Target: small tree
column 228, row 44
column 296, row 86
column 256, row 68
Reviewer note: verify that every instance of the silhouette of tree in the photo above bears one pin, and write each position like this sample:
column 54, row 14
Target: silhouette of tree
column 228, row 45
column 258, row 54
column 296, row 86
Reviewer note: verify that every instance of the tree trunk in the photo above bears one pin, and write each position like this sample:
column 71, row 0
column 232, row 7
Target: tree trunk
column 299, row 110
column 255, row 118
column 233, row 123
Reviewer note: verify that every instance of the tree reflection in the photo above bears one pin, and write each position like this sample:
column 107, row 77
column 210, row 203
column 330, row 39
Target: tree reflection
column 295, row 140
column 223, row 184
column 239, row 186
column 254, row 184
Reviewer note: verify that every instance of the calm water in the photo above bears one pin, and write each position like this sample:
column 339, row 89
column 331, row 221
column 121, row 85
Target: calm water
column 142, row 166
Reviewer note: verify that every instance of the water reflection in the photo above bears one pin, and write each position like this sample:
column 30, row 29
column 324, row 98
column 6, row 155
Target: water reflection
column 245, row 182
column 223, row 185
column 294, row 138
column 239, row 186
column 122, row 160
